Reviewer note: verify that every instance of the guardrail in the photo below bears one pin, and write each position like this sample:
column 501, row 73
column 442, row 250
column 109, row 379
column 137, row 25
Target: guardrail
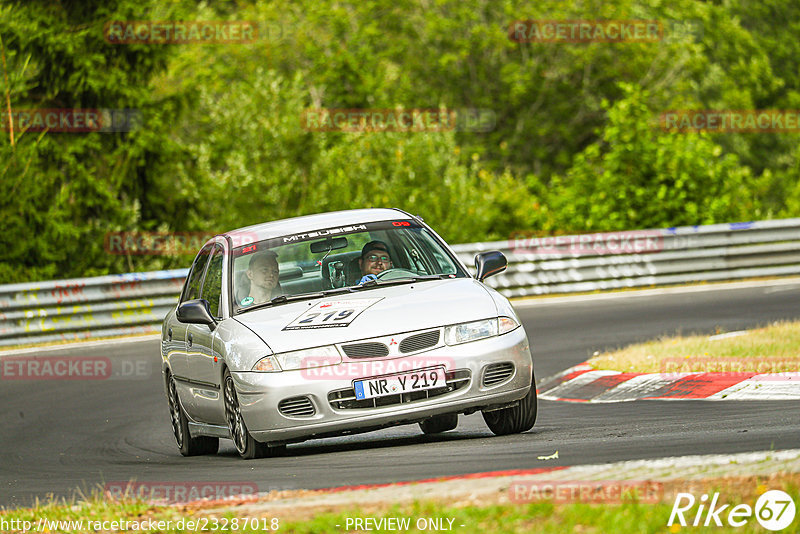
column 591, row 262
column 137, row 302
column 84, row 308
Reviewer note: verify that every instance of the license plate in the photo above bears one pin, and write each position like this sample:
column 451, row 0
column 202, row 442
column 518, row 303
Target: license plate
column 401, row 383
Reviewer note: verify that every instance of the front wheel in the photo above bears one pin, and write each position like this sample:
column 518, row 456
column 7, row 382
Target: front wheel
column 516, row 419
column 246, row 445
column 188, row 445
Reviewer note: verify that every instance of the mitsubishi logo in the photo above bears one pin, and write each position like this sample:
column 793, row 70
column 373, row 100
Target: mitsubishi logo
column 392, row 342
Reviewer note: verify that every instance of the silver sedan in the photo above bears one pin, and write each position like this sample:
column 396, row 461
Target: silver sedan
column 335, row 324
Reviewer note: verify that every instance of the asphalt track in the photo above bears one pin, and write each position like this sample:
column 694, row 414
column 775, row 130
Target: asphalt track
column 62, row 436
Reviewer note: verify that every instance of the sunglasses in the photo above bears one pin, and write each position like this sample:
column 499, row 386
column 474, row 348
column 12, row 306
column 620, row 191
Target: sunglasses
column 373, row 258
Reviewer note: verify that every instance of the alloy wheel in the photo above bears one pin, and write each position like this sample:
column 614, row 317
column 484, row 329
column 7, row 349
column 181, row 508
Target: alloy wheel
column 175, row 412
column 233, row 415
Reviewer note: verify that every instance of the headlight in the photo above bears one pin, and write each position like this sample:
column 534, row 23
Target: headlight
column 299, row 359
column 466, row 332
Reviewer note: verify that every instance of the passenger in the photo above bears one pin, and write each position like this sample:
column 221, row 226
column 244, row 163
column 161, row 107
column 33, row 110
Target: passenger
column 374, row 259
column 262, row 271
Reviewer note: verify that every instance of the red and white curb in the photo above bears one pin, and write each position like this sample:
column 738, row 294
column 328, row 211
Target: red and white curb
column 584, row 383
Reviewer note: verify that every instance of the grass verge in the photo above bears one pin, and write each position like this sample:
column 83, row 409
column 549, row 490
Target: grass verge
column 771, row 349
column 459, row 516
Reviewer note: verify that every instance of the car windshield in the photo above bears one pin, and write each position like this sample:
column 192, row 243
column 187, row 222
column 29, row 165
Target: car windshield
column 339, row 259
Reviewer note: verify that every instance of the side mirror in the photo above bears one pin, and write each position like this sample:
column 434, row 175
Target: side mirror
column 195, row 312
column 489, row 263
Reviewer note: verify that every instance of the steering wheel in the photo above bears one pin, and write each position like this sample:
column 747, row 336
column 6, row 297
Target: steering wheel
column 392, row 274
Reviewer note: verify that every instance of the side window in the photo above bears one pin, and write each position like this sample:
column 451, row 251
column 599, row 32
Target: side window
column 212, row 285
column 192, row 288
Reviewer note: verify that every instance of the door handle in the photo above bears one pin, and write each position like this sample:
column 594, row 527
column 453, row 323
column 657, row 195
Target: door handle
column 189, row 339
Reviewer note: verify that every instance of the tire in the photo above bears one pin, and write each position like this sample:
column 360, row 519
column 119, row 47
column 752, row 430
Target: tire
column 188, row 445
column 516, row 419
column 439, row 423
column 247, row 447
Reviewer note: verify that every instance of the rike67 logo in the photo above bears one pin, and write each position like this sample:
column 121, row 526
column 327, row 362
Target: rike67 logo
column 774, row 510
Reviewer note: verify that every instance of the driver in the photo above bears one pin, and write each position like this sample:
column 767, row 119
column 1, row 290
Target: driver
column 263, row 274
column 374, row 259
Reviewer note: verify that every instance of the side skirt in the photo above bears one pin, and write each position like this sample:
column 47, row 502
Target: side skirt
column 204, row 429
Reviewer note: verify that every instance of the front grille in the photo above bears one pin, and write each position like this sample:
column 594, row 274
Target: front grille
column 297, row 407
column 345, row 399
column 419, row 341
column 497, row 373
column 366, row 350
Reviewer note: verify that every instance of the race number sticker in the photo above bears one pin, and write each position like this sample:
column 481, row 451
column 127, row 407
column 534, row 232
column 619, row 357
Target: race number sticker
column 331, row 314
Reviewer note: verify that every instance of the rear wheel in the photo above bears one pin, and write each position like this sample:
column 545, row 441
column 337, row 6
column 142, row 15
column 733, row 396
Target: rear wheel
column 439, row 423
column 246, row 445
column 516, row 419
column 188, row 445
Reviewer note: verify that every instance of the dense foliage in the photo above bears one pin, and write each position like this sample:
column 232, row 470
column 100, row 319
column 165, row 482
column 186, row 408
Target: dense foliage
column 576, row 146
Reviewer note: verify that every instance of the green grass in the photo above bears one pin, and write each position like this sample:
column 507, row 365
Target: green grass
column 772, row 349
column 539, row 517
column 542, row 516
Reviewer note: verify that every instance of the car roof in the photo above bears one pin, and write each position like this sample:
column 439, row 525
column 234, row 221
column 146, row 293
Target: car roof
column 318, row 221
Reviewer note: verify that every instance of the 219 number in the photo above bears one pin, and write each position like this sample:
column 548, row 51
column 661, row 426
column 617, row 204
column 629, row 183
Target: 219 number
column 344, row 314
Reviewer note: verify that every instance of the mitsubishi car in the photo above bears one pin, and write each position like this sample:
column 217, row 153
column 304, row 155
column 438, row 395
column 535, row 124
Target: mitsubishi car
column 339, row 323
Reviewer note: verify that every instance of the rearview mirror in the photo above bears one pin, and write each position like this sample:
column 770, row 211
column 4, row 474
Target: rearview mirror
column 489, row 263
column 195, row 312
column 328, row 244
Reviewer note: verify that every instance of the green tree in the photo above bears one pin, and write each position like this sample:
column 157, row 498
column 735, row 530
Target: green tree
column 61, row 192
column 637, row 176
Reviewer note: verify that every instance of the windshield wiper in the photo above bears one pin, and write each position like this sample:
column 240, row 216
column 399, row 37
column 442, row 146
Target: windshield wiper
column 280, row 299
column 369, row 284
column 337, row 291
column 424, row 277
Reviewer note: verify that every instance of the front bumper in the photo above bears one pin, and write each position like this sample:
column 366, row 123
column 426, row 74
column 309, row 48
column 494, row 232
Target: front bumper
column 261, row 393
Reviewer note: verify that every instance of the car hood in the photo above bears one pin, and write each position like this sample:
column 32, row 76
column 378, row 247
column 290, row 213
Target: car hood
column 401, row 308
